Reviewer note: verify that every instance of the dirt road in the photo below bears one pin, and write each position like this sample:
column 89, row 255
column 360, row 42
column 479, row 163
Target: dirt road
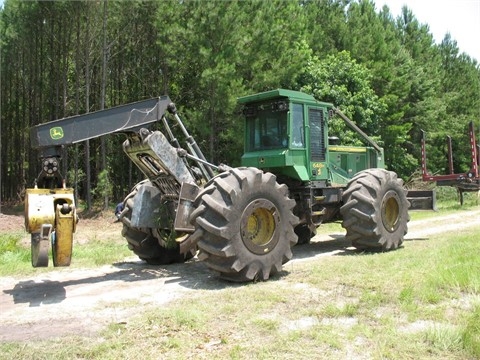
column 83, row 301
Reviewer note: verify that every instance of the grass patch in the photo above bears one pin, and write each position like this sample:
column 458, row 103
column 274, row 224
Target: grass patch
column 420, row 302
column 444, row 338
column 9, row 242
column 417, row 302
column 99, row 252
column 471, row 333
column 15, row 257
column 448, row 198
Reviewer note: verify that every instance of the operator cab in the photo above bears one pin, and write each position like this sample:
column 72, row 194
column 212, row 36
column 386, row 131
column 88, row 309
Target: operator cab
column 268, row 125
column 286, row 133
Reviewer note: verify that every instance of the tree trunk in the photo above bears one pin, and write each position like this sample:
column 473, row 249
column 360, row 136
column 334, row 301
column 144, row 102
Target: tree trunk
column 103, row 88
column 88, row 185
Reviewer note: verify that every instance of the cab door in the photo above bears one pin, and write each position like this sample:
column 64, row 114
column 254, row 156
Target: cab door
column 317, row 149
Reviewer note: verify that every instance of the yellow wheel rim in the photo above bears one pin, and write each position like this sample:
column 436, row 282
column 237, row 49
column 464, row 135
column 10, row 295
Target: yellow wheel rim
column 390, row 211
column 259, row 222
column 260, row 226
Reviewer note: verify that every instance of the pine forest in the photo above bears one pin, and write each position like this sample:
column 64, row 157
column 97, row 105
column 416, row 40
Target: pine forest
column 62, row 58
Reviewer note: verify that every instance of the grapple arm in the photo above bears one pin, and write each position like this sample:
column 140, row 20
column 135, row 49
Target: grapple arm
column 78, row 128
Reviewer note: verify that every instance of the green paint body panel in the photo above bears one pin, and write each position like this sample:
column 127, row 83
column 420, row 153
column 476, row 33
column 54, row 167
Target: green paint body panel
column 349, row 160
column 286, row 133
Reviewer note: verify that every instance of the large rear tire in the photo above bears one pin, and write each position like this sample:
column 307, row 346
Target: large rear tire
column 375, row 210
column 148, row 244
column 244, row 225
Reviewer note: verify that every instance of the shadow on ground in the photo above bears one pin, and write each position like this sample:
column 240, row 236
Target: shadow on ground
column 192, row 275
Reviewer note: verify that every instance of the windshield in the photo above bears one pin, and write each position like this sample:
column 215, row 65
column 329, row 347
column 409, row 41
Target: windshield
column 267, row 130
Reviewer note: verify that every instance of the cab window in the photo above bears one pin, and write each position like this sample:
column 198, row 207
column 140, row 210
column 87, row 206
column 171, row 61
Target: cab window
column 298, row 134
column 266, row 129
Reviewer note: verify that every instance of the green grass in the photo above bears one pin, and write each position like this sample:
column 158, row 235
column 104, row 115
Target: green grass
column 471, row 332
column 447, row 198
column 15, row 255
column 14, row 258
column 420, row 302
column 100, row 252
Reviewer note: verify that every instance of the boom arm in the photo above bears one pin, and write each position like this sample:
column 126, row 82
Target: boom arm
column 74, row 129
column 354, row 127
column 127, row 119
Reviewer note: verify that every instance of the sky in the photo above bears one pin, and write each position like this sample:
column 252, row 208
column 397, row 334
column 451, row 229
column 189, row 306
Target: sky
column 460, row 18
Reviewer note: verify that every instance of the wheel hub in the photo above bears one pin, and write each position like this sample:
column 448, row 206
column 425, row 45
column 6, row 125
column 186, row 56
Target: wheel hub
column 258, row 226
column 391, row 211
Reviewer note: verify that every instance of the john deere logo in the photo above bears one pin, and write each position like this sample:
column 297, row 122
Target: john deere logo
column 56, row 133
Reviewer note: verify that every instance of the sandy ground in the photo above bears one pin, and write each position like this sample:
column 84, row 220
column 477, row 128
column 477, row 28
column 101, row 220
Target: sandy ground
column 70, row 301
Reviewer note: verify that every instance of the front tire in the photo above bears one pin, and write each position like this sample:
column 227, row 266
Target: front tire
column 375, row 210
column 148, row 244
column 244, row 225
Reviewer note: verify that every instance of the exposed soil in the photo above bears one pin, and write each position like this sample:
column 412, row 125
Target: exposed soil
column 69, row 301
column 11, row 222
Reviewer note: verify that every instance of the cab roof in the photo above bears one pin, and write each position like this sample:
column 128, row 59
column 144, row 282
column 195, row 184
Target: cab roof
column 292, row 95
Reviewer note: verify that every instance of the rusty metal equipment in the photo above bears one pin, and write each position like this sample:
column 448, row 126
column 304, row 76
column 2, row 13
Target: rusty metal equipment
column 463, row 182
column 50, row 218
column 422, row 199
